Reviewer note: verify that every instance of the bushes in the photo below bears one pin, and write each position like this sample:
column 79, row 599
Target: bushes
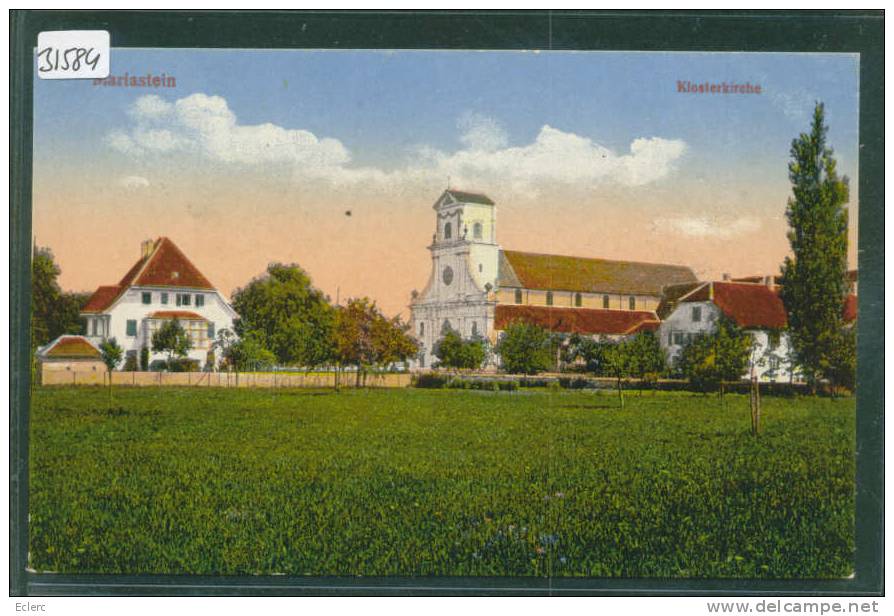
column 175, row 365
column 444, row 381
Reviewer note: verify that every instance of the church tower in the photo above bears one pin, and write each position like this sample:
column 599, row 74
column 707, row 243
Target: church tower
column 465, row 258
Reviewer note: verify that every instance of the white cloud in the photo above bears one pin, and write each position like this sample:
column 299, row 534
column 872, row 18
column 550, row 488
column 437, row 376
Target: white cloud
column 151, row 107
column 133, row 182
column 480, row 132
column 205, row 126
column 556, row 156
column 709, row 228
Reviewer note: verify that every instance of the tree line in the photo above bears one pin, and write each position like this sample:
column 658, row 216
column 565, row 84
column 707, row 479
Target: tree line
column 284, row 320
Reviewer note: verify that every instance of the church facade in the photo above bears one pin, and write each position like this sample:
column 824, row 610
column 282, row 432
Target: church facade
column 476, row 288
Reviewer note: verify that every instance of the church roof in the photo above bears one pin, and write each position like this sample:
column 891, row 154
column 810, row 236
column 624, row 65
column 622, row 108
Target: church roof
column 576, row 320
column 165, row 265
column 562, row 273
column 469, row 197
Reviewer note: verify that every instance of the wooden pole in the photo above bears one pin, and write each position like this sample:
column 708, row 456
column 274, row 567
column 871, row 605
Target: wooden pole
column 757, row 404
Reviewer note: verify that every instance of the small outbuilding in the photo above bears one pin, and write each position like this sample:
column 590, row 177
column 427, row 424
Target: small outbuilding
column 69, row 353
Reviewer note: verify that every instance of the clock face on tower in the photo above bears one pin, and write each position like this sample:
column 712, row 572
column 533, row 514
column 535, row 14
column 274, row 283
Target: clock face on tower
column 447, row 275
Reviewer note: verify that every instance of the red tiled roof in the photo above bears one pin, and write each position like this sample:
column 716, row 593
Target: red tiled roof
column 73, row 347
column 167, row 266
column 562, row 273
column 753, row 305
column 164, row 266
column 573, row 320
column 850, row 308
column 186, row 315
column 750, row 305
column 645, row 326
column 102, row 298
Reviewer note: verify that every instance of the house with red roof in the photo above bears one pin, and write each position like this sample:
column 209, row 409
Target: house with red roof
column 751, row 303
column 162, row 285
column 477, row 288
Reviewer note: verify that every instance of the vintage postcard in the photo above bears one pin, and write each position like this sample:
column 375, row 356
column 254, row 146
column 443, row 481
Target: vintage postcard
column 465, row 314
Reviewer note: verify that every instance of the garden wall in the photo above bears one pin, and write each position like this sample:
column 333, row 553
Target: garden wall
column 217, row 379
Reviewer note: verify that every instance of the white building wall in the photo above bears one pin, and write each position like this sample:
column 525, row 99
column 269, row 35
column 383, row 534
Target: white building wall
column 130, row 307
column 771, row 355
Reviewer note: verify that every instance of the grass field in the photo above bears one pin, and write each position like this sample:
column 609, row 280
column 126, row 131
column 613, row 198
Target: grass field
column 430, row 482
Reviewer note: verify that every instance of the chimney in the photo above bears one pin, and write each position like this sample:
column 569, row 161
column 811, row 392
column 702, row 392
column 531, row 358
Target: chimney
column 727, row 277
column 145, row 248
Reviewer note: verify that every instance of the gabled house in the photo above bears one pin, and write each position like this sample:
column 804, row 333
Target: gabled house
column 753, row 304
column 161, row 286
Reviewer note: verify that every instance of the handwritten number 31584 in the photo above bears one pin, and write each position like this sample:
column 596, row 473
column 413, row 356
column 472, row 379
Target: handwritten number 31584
column 51, row 59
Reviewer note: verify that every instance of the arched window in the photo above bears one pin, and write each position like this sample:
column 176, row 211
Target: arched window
column 474, row 328
column 518, row 296
column 448, row 231
column 446, row 327
column 422, row 328
column 631, row 302
column 605, row 301
column 549, row 298
column 477, row 230
column 578, row 300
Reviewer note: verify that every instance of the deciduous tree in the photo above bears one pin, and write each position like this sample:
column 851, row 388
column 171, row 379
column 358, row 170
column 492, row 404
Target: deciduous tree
column 525, row 348
column 53, row 312
column 364, row 338
column 172, row 339
column 287, row 315
column 454, row 352
column 710, row 359
column 111, row 356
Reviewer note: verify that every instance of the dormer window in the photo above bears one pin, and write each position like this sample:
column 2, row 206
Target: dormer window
column 448, row 231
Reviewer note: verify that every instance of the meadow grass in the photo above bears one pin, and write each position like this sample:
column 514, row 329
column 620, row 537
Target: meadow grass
column 432, row 482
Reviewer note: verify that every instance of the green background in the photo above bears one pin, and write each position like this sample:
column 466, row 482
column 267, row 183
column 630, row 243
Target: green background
column 853, row 31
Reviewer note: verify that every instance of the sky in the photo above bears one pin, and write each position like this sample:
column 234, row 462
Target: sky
column 255, row 156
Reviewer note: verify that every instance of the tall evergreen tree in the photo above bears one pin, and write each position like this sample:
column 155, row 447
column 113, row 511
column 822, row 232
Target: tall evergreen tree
column 814, row 277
